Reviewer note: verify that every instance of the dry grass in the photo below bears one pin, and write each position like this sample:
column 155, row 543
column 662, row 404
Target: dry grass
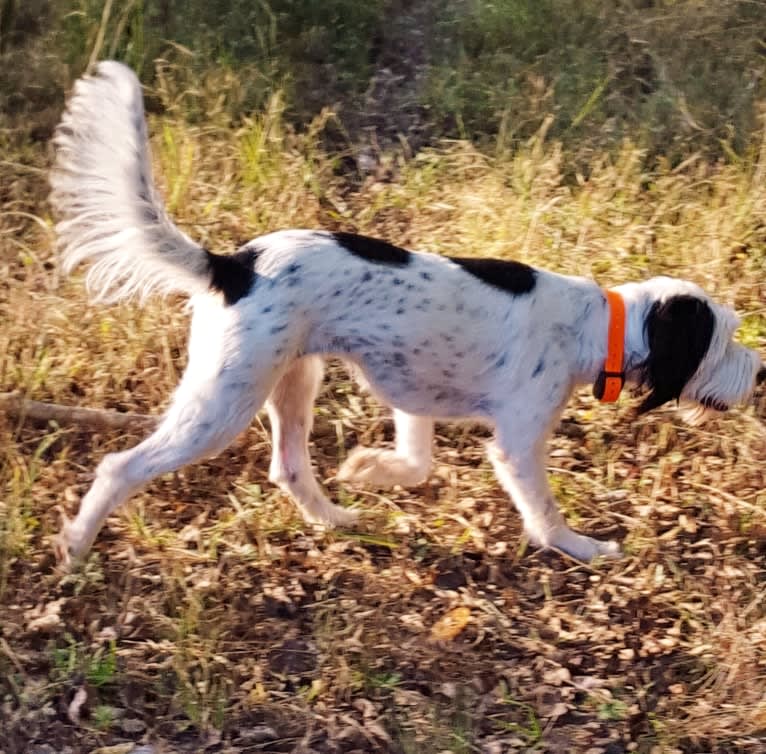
column 209, row 616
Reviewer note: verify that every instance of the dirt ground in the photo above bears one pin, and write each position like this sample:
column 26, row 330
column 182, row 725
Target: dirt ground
column 210, row 619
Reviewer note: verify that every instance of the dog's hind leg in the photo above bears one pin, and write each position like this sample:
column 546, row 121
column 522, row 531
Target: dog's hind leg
column 521, row 471
column 195, row 427
column 290, row 408
column 220, row 392
column 407, row 465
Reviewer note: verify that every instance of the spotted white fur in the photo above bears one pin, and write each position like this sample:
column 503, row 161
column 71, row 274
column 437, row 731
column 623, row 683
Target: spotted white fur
column 433, row 337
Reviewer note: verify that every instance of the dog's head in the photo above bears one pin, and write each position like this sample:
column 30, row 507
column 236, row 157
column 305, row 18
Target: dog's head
column 689, row 354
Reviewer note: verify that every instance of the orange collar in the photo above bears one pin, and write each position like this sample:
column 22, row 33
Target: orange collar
column 612, row 377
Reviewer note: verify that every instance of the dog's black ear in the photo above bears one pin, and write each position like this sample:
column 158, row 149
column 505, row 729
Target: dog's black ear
column 678, row 331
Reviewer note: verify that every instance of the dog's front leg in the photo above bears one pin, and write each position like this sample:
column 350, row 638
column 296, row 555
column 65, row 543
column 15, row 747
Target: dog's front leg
column 521, row 472
column 408, row 464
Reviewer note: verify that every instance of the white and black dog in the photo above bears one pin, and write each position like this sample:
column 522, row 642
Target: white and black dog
column 433, row 336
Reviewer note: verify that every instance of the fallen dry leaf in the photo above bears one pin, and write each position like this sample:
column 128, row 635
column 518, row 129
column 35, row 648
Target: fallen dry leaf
column 450, row 624
column 75, row 706
column 45, row 618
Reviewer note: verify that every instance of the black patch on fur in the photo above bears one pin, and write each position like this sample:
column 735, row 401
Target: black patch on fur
column 761, row 376
column 678, row 332
column 373, row 249
column 513, row 277
column 233, row 275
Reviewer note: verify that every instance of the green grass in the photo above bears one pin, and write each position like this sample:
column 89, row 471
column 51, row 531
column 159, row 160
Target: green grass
column 98, row 667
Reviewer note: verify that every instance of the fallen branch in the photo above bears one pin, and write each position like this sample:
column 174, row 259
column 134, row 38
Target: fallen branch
column 17, row 407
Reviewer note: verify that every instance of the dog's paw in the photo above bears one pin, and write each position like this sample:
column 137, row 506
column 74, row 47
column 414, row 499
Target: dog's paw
column 66, row 556
column 61, row 552
column 381, row 468
column 70, row 544
column 584, row 548
column 606, row 548
column 338, row 516
column 327, row 514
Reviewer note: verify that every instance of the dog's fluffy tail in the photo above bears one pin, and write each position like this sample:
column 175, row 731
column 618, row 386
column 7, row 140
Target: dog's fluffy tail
column 108, row 208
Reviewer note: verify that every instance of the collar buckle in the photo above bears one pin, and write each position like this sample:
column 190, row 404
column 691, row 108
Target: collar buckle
column 608, row 386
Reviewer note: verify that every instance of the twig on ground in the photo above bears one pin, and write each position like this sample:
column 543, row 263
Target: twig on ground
column 17, row 407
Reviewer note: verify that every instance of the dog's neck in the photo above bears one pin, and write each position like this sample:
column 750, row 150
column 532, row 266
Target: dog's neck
column 636, row 346
column 638, row 298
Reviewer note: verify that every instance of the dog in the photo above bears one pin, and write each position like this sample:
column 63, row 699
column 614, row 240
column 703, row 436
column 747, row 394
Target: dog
column 434, row 337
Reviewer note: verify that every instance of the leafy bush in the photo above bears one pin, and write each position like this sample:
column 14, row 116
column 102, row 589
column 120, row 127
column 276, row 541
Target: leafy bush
column 673, row 76
column 670, row 74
